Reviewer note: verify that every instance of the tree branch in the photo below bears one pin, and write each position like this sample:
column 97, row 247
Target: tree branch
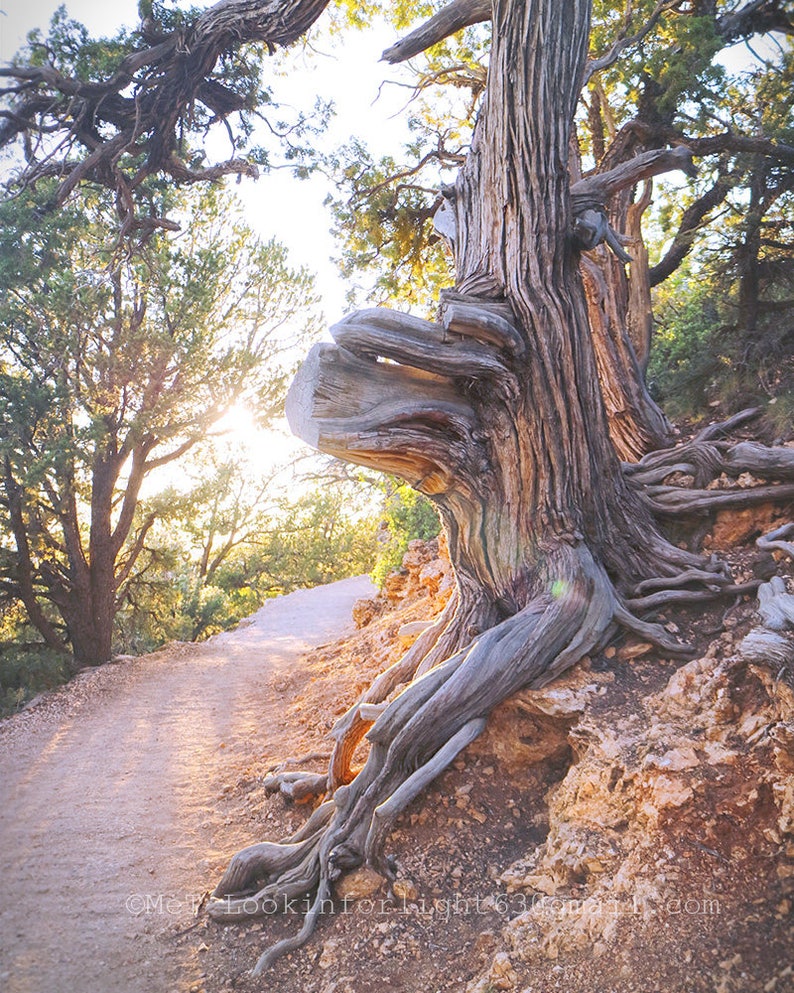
column 134, row 553
column 757, row 17
column 599, row 187
column 168, row 79
column 450, row 19
column 623, row 41
column 691, row 222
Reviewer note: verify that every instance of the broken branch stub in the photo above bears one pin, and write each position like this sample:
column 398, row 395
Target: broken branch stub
column 397, row 419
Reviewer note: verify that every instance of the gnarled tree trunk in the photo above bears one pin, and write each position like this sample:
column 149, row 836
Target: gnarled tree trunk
column 496, row 413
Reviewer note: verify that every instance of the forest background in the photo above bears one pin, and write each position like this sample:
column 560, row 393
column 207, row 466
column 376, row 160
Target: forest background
column 144, row 482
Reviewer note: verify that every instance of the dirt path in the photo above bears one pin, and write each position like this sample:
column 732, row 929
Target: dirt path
column 110, row 829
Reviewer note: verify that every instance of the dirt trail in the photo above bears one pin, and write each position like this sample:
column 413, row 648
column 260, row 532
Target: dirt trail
column 109, row 824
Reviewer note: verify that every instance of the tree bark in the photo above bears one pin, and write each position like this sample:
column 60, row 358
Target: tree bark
column 495, row 412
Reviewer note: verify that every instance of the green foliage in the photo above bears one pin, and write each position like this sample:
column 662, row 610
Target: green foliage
column 26, row 670
column 115, row 362
column 702, row 359
column 317, row 539
column 384, row 221
column 406, row 515
column 686, row 368
column 383, row 207
column 284, row 545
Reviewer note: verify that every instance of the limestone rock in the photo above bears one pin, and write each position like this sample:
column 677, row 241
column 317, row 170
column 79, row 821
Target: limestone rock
column 364, row 611
column 359, row 884
column 404, row 890
column 501, row 974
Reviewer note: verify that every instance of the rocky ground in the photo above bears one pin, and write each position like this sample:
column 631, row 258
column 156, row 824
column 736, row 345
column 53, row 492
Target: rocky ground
column 630, row 828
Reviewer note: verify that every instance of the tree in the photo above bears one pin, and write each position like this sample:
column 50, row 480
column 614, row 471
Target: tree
column 496, row 413
column 125, row 112
column 651, row 81
column 114, row 365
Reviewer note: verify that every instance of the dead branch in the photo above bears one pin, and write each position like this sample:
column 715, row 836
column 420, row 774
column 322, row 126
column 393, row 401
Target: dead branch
column 773, row 540
column 450, row 19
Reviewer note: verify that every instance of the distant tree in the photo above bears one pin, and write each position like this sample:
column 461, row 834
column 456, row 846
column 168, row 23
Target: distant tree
column 113, row 365
column 406, row 515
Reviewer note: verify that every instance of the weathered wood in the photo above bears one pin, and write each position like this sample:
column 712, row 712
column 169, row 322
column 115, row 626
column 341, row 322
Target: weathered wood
column 776, row 605
column 599, row 187
column 766, row 647
column 386, row 813
column 713, row 431
column 389, row 334
column 676, row 500
column 665, row 597
column 537, row 512
column 478, row 321
column 773, row 540
column 636, row 424
column 450, row 19
column 393, row 418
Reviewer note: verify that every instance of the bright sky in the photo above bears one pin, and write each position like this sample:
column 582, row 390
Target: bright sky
column 277, row 205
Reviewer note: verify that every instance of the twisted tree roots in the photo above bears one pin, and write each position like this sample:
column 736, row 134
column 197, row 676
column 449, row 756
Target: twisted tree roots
column 451, row 681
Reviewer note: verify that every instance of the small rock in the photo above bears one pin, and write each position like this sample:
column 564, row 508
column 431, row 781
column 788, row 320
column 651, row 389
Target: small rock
column 329, row 954
column 634, row 651
column 404, row 890
column 674, row 760
column 358, row 884
column 364, row 611
column 502, row 975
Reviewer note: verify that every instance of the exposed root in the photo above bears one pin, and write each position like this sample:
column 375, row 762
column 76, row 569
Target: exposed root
column 281, row 766
column 416, row 737
column 673, row 501
column 385, row 814
column 705, row 461
column 350, row 729
column 267, row 958
column 665, row 597
column 420, row 713
column 711, row 580
column 297, row 786
column 654, row 633
column 723, row 427
column 773, row 540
